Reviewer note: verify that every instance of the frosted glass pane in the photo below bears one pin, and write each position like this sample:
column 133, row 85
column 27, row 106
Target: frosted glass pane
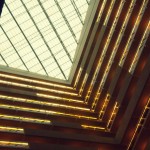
column 41, row 36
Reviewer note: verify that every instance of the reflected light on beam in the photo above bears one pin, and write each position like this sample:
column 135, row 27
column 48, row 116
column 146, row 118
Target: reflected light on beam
column 59, row 98
column 14, row 144
column 11, row 130
column 92, row 127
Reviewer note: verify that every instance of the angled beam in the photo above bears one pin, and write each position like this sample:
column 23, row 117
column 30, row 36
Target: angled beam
column 54, row 29
column 44, row 40
column 4, row 60
column 67, row 23
column 14, row 49
column 77, row 11
column 27, row 40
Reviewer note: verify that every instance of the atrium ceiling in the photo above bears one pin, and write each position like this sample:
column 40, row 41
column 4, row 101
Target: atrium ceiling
column 106, row 105
column 41, row 36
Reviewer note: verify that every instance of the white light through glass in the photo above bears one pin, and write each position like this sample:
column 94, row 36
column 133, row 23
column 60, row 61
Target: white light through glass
column 41, row 36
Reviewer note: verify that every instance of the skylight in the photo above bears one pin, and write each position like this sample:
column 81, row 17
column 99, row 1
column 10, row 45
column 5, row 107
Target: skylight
column 41, row 36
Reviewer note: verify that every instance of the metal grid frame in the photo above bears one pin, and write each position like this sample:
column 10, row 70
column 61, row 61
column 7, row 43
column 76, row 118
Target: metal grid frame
column 41, row 38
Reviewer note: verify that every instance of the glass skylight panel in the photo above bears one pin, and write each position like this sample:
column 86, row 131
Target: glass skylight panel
column 41, row 36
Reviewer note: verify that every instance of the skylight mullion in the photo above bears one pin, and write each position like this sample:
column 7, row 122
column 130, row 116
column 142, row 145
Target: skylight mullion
column 26, row 38
column 55, row 31
column 66, row 20
column 87, row 2
column 44, row 41
column 4, row 60
column 14, row 48
column 77, row 11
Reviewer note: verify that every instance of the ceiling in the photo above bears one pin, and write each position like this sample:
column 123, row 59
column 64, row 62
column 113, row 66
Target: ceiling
column 41, row 36
column 107, row 104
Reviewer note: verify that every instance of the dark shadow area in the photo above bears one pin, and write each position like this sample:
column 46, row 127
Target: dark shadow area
column 1, row 5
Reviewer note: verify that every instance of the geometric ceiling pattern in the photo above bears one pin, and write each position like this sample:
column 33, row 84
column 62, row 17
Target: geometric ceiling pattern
column 41, row 36
column 107, row 104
